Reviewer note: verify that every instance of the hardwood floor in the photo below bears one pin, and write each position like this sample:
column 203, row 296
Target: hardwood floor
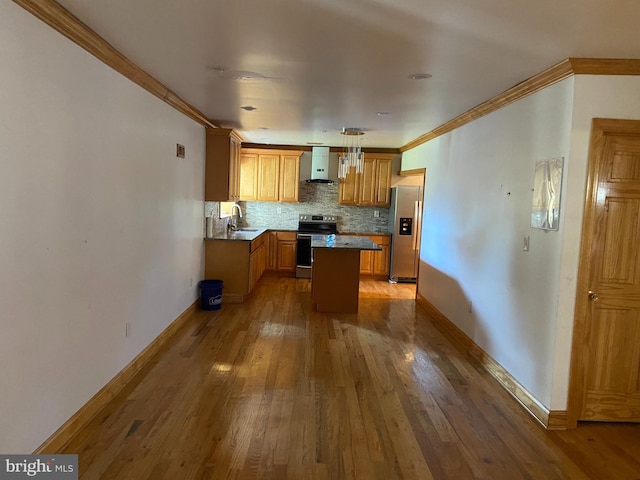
column 269, row 389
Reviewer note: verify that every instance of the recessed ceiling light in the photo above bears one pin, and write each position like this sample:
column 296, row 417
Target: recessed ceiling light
column 249, row 108
column 420, row 76
column 382, row 114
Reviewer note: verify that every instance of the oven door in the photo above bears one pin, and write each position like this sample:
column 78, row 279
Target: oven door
column 303, row 255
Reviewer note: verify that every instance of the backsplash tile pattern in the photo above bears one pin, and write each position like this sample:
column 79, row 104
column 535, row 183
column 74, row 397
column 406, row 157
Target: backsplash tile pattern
column 315, row 198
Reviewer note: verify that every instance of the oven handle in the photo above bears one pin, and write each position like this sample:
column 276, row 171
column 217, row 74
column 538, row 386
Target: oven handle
column 305, row 235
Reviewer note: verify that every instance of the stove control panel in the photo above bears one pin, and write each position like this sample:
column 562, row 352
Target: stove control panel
column 318, row 218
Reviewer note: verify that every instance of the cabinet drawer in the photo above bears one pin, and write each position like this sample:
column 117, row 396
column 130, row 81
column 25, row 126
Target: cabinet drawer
column 287, row 236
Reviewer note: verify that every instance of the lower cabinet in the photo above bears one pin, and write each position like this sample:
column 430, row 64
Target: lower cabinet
column 282, row 251
column 239, row 264
column 257, row 261
column 375, row 262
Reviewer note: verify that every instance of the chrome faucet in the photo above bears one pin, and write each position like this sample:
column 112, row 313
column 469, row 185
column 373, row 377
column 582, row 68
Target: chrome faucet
column 234, row 218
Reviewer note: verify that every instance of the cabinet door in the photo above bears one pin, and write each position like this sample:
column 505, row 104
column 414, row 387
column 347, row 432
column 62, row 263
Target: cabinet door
column 289, row 178
column 383, row 182
column 248, row 176
column 367, row 191
column 286, row 256
column 272, row 250
column 268, row 177
column 348, row 189
column 217, row 164
column 256, row 265
column 366, row 262
column 381, row 258
column 234, row 169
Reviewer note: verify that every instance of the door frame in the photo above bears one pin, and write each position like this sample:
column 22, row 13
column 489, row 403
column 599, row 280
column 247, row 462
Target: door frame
column 600, row 127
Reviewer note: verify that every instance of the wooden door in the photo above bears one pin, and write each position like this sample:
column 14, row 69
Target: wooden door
column 606, row 354
column 289, row 178
column 268, row 177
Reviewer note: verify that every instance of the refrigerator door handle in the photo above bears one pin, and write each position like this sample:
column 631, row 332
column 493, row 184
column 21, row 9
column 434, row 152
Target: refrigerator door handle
column 417, row 215
column 415, row 226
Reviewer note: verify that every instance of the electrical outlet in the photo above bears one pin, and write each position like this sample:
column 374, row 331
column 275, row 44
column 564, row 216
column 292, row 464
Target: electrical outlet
column 525, row 243
column 376, row 213
column 279, row 210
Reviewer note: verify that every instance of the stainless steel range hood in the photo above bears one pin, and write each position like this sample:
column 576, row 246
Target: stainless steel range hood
column 319, row 165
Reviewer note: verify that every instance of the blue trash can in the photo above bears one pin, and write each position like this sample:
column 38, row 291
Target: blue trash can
column 211, row 294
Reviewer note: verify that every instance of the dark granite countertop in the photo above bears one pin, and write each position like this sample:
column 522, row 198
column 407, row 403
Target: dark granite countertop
column 246, row 234
column 344, row 242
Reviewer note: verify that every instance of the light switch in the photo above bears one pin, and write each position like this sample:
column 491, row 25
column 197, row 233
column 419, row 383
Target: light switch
column 525, row 243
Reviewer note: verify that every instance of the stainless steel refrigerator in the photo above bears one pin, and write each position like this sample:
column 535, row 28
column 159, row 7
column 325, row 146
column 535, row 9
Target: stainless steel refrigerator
column 405, row 223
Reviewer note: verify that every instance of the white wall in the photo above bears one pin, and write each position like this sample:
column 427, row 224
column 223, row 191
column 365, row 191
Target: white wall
column 595, row 96
column 476, row 213
column 522, row 303
column 100, row 225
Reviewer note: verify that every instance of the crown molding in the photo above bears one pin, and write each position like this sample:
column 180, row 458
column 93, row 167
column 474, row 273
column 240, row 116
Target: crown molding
column 560, row 71
column 60, row 19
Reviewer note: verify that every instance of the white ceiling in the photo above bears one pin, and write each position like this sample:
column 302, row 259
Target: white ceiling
column 330, row 64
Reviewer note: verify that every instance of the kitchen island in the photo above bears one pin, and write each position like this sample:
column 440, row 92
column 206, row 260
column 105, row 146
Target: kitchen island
column 335, row 275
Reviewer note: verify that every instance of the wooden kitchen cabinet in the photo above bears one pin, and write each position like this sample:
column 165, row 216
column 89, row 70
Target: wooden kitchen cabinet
column 375, row 182
column 222, row 176
column 270, row 175
column 372, row 187
column 282, row 252
column 348, row 188
column 248, row 173
column 289, row 177
column 257, row 260
column 382, row 259
column 239, row 264
column 376, row 263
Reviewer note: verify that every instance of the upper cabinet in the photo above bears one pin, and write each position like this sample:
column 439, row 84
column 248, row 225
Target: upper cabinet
column 222, row 169
column 269, row 175
column 248, row 173
column 372, row 187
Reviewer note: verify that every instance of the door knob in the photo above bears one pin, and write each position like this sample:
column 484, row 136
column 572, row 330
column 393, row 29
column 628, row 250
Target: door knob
column 593, row 296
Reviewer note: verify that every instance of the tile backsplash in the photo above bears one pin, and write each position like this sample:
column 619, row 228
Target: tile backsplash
column 315, row 198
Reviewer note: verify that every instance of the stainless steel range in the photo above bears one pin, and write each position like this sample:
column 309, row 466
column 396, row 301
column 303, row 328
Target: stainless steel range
column 309, row 225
